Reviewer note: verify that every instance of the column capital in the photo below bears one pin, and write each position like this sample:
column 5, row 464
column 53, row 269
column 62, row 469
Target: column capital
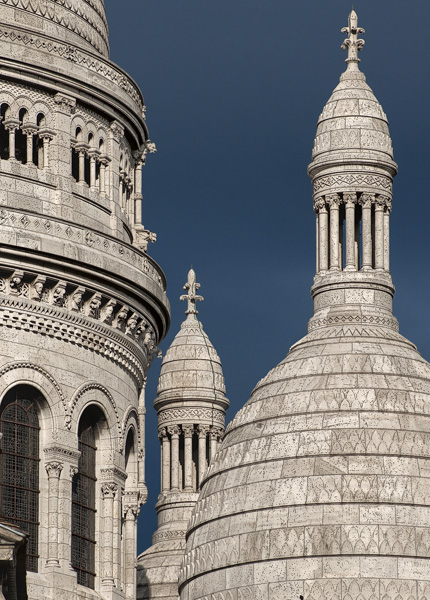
column 73, row 471
column 162, row 433
column 11, row 124
column 54, row 469
column 333, row 200
column 188, row 430
column 320, row 205
column 366, row 200
column 174, row 430
column 202, row 430
column 109, row 489
column 216, row 432
column 382, row 200
column 350, row 198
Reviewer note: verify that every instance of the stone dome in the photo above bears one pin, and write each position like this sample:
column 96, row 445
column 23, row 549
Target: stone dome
column 78, row 23
column 352, row 120
column 191, row 364
column 321, row 485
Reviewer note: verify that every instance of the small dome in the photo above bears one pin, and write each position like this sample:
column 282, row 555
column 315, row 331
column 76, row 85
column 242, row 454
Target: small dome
column 190, row 364
column 352, row 121
column 191, row 367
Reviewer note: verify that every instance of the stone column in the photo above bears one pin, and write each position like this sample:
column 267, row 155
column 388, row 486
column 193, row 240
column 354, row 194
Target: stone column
column 67, row 541
column 165, row 468
column 387, row 234
column 46, row 138
column 11, row 125
column 141, row 439
column 53, row 470
column 379, row 231
column 366, row 201
column 333, row 201
column 317, row 244
column 108, row 491
column 131, row 512
column 188, row 456
column 104, row 161
column 203, row 431
column 323, row 234
column 174, row 432
column 29, row 131
column 138, row 192
column 350, row 201
column 93, row 167
column 213, row 435
column 81, row 148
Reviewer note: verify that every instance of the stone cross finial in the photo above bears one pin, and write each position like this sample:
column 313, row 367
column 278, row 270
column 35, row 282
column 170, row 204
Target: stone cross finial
column 192, row 286
column 353, row 44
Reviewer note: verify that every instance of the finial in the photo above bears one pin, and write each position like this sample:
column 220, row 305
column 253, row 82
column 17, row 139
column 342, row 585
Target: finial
column 353, row 44
column 192, row 286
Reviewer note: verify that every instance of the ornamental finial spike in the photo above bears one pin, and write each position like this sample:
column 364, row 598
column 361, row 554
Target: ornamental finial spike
column 352, row 42
column 192, row 286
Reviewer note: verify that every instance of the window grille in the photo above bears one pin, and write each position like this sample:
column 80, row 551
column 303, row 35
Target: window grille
column 83, row 507
column 19, row 465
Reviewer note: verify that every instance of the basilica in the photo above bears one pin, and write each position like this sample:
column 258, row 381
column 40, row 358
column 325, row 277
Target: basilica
column 317, row 488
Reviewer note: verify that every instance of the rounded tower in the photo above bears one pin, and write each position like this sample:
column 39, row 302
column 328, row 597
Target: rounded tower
column 320, row 487
column 191, row 407
column 82, row 305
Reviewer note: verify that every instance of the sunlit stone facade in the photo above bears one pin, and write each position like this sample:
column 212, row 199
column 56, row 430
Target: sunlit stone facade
column 82, row 305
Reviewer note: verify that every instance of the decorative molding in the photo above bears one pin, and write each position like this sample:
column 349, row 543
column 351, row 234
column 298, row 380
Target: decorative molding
column 185, row 414
column 392, row 323
column 96, row 337
column 110, row 473
column 161, row 536
column 28, row 365
column 59, row 452
column 70, row 232
column 84, row 59
column 85, row 389
column 58, row 12
column 355, row 179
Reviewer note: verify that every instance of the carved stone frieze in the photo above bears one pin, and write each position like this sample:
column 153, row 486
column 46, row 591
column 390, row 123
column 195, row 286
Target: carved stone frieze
column 350, row 179
column 197, row 414
column 390, row 322
column 84, row 59
column 76, row 329
column 77, row 234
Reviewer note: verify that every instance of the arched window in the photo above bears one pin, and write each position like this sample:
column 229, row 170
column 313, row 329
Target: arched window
column 19, row 465
column 84, row 499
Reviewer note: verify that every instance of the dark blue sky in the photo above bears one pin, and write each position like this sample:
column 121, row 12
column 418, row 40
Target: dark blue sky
column 233, row 90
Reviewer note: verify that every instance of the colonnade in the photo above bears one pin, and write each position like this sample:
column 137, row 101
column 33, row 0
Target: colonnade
column 186, row 451
column 117, row 548
column 30, row 131
column 352, row 232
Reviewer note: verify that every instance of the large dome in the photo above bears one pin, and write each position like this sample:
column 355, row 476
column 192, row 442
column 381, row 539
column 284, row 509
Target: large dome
column 77, row 23
column 320, row 488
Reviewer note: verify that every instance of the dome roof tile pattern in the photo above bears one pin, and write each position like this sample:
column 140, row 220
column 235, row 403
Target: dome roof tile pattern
column 321, row 487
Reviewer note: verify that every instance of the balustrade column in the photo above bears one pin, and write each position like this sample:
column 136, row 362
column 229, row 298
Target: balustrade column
column 188, row 456
column 350, row 201
column 108, row 493
column 104, row 161
column 333, row 201
column 323, row 234
column 379, row 231
column 53, row 470
column 366, row 201
column 165, row 451
column 203, row 431
column 317, row 243
column 387, row 234
column 174, row 432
